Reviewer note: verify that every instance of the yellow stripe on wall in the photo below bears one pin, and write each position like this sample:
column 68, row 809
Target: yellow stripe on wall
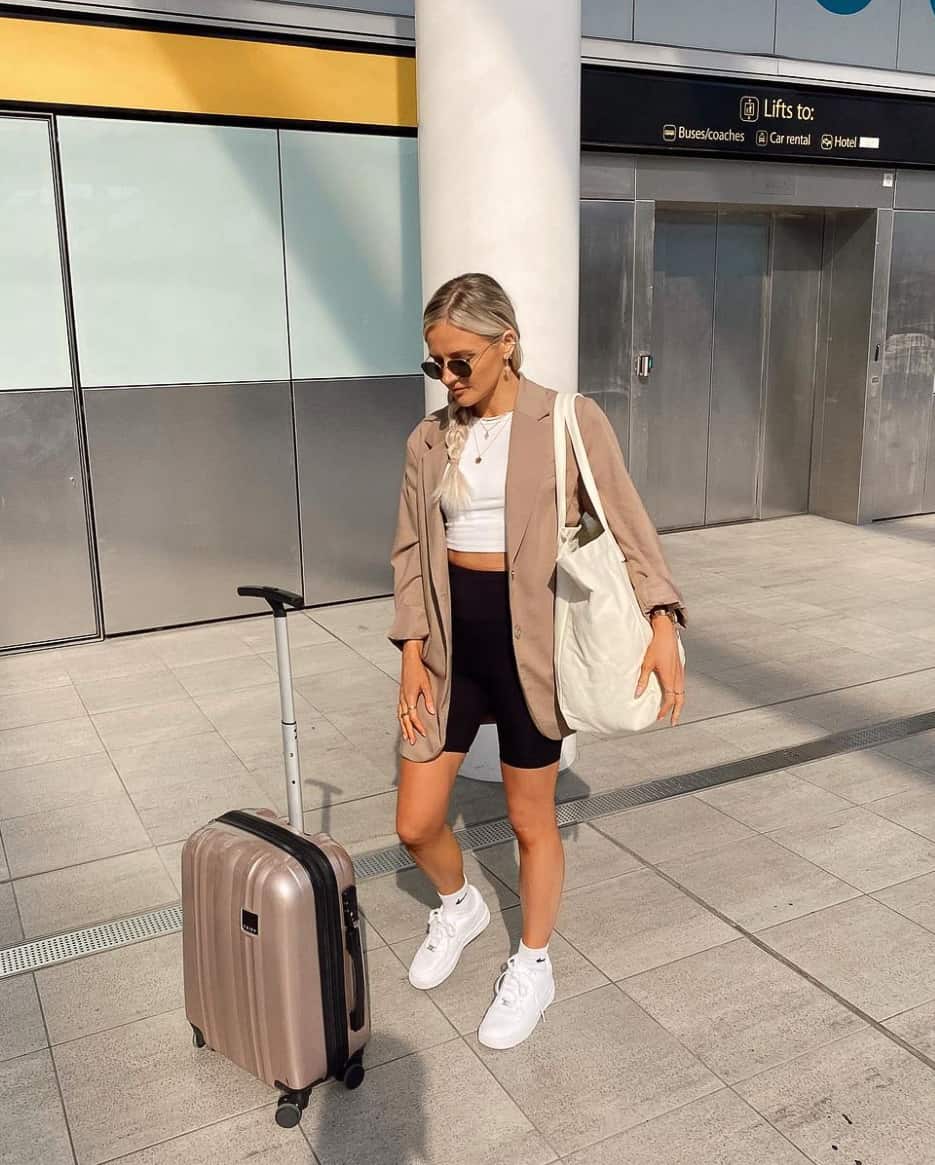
column 49, row 63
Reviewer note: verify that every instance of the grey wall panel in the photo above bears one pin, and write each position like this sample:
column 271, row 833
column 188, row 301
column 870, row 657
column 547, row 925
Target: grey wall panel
column 790, row 400
column 737, row 366
column 741, row 26
column 850, row 247
column 915, row 189
column 175, row 239
column 351, row 438
column 45, row 569
column 916, row 36
column 608, row 176
column 195, row 493
column 701, row 180
column 904, row 439
column 610, row 19
column 808, row 30
column 33, row 339
column 606, row 313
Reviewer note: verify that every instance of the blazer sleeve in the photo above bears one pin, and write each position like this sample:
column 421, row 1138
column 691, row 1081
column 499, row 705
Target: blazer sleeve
column 410, row 621
column 629, row 522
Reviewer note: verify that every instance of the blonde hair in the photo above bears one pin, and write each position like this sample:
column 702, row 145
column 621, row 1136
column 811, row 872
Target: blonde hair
column 475, row 303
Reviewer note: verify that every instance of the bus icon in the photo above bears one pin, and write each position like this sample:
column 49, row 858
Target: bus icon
column 668, row 133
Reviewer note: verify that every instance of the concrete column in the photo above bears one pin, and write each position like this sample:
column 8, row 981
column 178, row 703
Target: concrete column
column 499, row 165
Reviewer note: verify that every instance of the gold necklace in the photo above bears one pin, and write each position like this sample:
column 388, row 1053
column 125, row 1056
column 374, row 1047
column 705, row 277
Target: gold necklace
column 480, row 456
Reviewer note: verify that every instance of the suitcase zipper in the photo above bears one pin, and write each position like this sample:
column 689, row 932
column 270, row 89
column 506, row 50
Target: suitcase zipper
column 330, row 938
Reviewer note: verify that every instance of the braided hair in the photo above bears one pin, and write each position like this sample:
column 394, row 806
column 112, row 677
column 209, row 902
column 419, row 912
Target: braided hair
column 475, row 303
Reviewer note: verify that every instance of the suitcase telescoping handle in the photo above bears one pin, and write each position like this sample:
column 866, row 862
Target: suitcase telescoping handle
column 279, row 600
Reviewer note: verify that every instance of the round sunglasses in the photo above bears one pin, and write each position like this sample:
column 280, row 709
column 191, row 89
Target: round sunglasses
column 462, row 369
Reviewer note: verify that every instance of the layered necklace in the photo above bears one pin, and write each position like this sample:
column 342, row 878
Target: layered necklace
column 492, row 429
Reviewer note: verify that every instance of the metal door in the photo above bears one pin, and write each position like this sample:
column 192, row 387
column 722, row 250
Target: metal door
column 737, row 366
column 670, row 418
column 795, row 285
column 606, row 313
column 723, row 404
column 905, row 471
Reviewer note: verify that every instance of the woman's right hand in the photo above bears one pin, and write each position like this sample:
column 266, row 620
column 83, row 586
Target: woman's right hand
column 413, row 684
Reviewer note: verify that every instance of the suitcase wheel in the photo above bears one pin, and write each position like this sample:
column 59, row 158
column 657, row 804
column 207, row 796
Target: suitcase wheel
column 290, row 1108
column 288, row 1113
column 353, row 1075
column 197, row 1038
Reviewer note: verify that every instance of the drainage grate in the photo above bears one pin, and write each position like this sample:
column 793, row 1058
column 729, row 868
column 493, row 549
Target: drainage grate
column 75, row 944
column 396, row 858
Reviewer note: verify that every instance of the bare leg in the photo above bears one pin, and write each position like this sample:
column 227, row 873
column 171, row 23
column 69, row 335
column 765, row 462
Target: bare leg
column 421, row 812
column 530, row 797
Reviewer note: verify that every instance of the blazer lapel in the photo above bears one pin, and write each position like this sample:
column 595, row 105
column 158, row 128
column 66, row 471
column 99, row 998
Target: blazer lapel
column 432, row 466
column 531, row 458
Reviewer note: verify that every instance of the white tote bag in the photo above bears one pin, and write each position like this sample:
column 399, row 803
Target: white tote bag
column 601, row 633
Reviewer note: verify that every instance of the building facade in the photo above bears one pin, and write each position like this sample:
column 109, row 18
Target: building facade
column 210, row 284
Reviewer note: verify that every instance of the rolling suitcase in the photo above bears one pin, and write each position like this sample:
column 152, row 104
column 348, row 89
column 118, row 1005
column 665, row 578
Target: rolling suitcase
column 273, row 959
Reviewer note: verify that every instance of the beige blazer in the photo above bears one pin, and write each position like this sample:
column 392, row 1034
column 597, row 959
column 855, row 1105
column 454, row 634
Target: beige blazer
column 420, row 556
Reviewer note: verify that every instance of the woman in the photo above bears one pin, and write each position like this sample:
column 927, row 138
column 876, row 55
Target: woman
column 474, row 561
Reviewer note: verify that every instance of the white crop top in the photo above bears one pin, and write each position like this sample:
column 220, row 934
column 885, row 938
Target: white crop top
column 481, row 527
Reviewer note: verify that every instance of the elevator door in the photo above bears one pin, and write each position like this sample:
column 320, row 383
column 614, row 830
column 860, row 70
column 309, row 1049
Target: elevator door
column 698, row 414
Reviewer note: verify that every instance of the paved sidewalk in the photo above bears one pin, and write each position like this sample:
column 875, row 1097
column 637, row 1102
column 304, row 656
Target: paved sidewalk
column 746, row 976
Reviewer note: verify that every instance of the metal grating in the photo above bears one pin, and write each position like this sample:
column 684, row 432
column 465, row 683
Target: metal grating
column 396, row 858
column 33, row 956
column 75, row 944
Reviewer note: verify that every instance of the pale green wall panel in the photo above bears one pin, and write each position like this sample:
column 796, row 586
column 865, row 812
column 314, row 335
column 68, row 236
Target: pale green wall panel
column 175, row 238
column 352, row 249
column 33, row 335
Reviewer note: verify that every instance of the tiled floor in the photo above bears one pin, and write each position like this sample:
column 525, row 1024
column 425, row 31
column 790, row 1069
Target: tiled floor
column 745, row 976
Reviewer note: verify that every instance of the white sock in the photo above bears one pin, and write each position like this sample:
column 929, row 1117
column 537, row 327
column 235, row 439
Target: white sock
column 454, row 901
column 532, row 956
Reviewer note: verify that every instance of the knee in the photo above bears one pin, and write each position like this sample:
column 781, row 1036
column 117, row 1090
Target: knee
column 415, row 831
column 533, row 829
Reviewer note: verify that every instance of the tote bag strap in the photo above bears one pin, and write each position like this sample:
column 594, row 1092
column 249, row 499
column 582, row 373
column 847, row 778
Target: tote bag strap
column 584, row 465
column 559, row 424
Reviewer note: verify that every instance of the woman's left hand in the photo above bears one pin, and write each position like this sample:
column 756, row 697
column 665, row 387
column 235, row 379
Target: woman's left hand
column 663, row 657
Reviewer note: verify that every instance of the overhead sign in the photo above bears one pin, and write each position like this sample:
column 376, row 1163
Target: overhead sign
column 672, row 113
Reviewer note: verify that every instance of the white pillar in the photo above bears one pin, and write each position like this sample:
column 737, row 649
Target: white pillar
column 499, row 166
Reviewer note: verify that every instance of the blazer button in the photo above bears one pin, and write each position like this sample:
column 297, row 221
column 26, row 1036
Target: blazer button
column 517, row 632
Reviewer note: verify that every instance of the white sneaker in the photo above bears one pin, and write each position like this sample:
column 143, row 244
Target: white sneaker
column 449, row 932
column 523, row 992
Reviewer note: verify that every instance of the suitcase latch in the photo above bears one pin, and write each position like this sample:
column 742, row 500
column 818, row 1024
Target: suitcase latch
column 351, row 913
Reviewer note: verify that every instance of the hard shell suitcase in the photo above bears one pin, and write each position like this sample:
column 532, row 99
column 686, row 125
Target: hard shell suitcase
column 273, row 959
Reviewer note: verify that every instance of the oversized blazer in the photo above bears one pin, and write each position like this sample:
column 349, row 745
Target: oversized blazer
column 420, row 555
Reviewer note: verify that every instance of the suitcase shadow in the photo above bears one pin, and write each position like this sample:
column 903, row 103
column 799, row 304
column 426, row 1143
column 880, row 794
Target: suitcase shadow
column 384, row 1121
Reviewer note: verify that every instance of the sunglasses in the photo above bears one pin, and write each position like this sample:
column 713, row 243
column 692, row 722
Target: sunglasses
column 462, row 369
